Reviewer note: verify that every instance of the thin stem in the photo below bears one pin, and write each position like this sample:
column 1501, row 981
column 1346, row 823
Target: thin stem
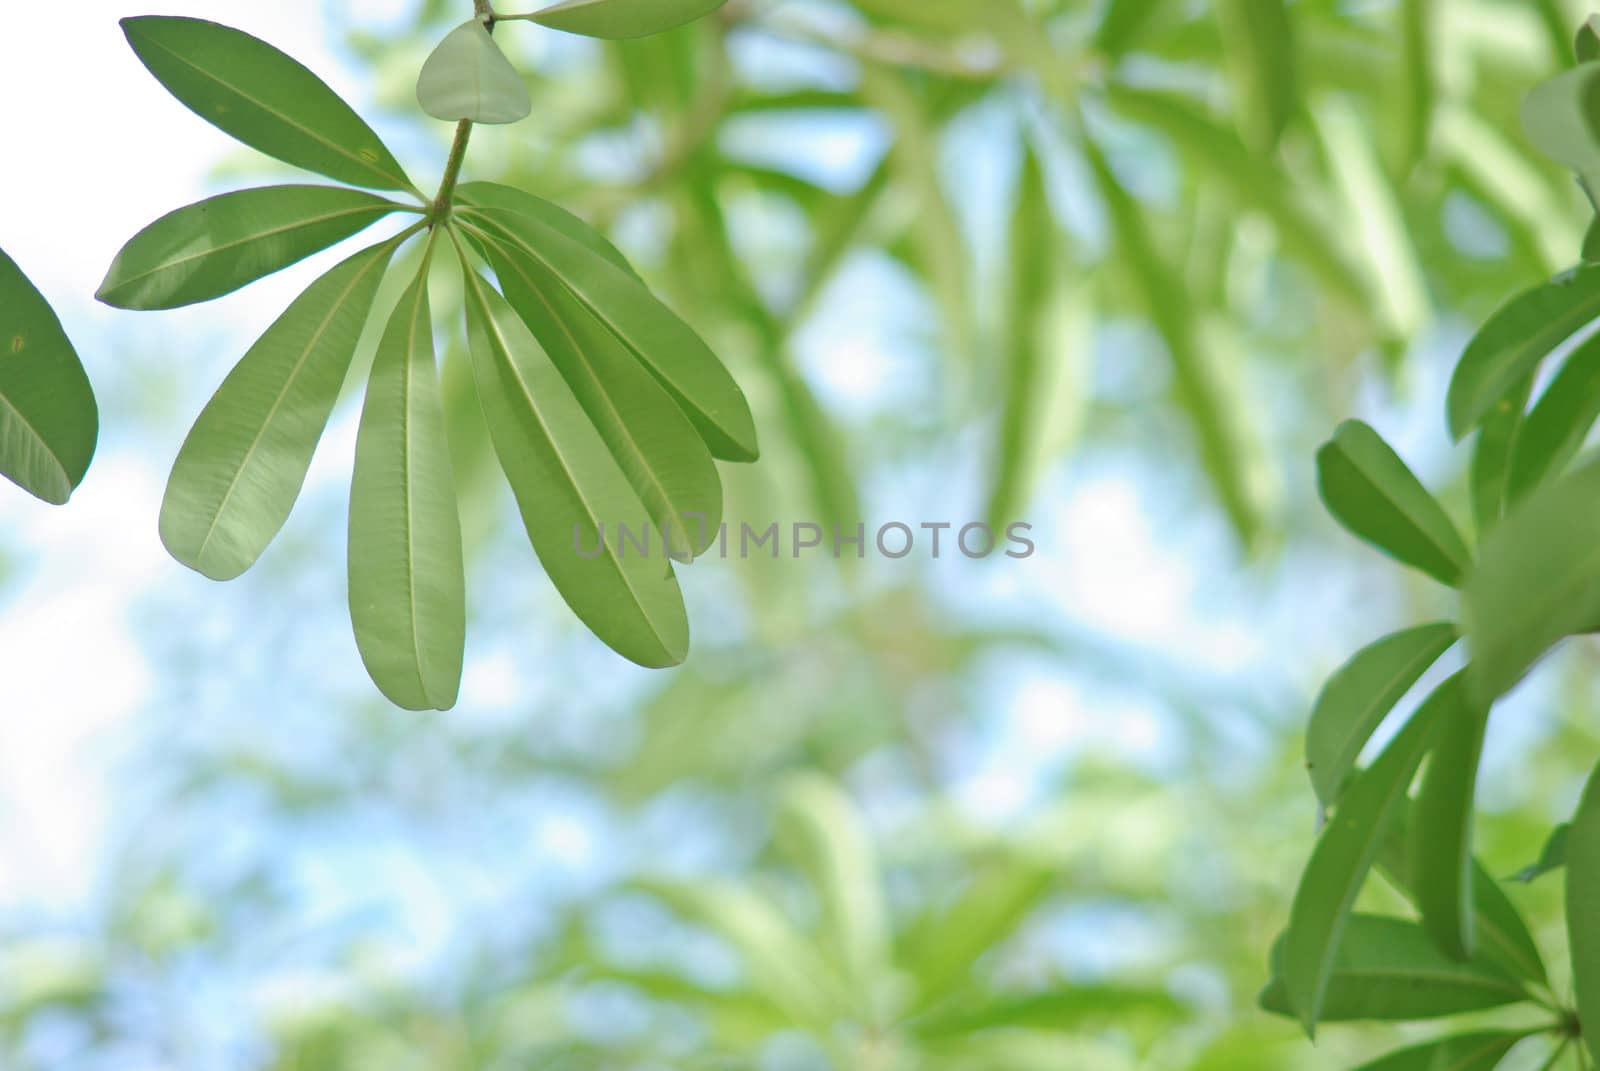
column 452, row 172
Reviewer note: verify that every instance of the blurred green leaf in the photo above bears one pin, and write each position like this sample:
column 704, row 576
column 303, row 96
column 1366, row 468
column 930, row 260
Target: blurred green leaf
column 1360, row 694
column 216, row 246
column 1440, row 831
column 1553, row 857
column 1122, row 23
column 407, row 590
column 1370, row 491
column 1465, row 1052
column 271, row 102
column 1261, row 54
column 1583, row 908
column 243, row 463
column 623, row 19
column 48, row 419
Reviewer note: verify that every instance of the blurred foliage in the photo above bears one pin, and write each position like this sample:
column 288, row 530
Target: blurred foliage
column 1193, row 235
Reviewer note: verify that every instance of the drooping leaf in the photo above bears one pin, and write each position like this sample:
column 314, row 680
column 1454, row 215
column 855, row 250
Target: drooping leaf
column 624, row 19
column 1370, row 491
column 658, row 449
column 678, row 358
column 1537, row 581
column 1481, row 1051
column 1046, row 346
column 573, row 496
column 407, row 588
column 1583, row 908
column 1389, row 969
column 215, row 246
column 1492, row 456
column 1553, row 857
column 1556, row 427
column 1360, row 694
column 241, row 467
column 1515, row 339
column 468, row 77
column 1440, row 831
column 272, row 103
column 1224, row 447
column 831, row 842
column 1261, row 55
column 1345, row 852
column 48, row 419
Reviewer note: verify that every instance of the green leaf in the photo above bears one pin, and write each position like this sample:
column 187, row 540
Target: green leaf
column 267, row 100
column 1587, row 43
column 830, row 840
column 1515, row 339
column 1123, row 23
column 1583, row 908
column 1225, row 450
column 1480, row 1051
column 407, row 589
column 1047, row 345
column 1368, row 489
column 1261, row 55
column 495, row 199
column 215, row 246
column 572, row 494
column 1061, row 1008
column 1560, row 117
column 666, row 345
column 48, row 419
column 1503, row 936
column 660, row 453
column 1591, row 242
column 1440, row 831
column 241, row 467
column 1419, row 47
column 1555, row 429
column 468, row 77
column 1537, row 581
column 1492, row 456
column 622, row 19
column 1553, row 857
column 1360, row 694
column 1345, row 852
column 1389, row 969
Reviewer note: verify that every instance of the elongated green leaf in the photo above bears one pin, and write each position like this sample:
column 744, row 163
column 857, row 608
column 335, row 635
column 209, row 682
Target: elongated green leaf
column 1493, row 454
column 941, row 947
column 831, row 842
column 1553, row 857
column 662, row 456
column 1503, row 935
column 1224, row 449
column 215, row 246
column 573, row 496
column 1062, row 1008
column 1045, row 351
column 667, row 346
column 1419, row 47
column 1254, row 183
column 1369, row 490
column 1389, row 969
column 1562, row 118
column 1440, row 831
column 493, row 199
column 1261, row 55
column 1583, row 908
column 468, row 77
column 48, row 419
column 1123, row 23
column 1559, row 422
column 1537, row 581
column 267, row 100
column 1345, row 852
column 1586, row 45
column 241, row 467
column 1515, row 339
column 1360, row 694
column 407, row 588
column 1481, row 1051
column 623, row 19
